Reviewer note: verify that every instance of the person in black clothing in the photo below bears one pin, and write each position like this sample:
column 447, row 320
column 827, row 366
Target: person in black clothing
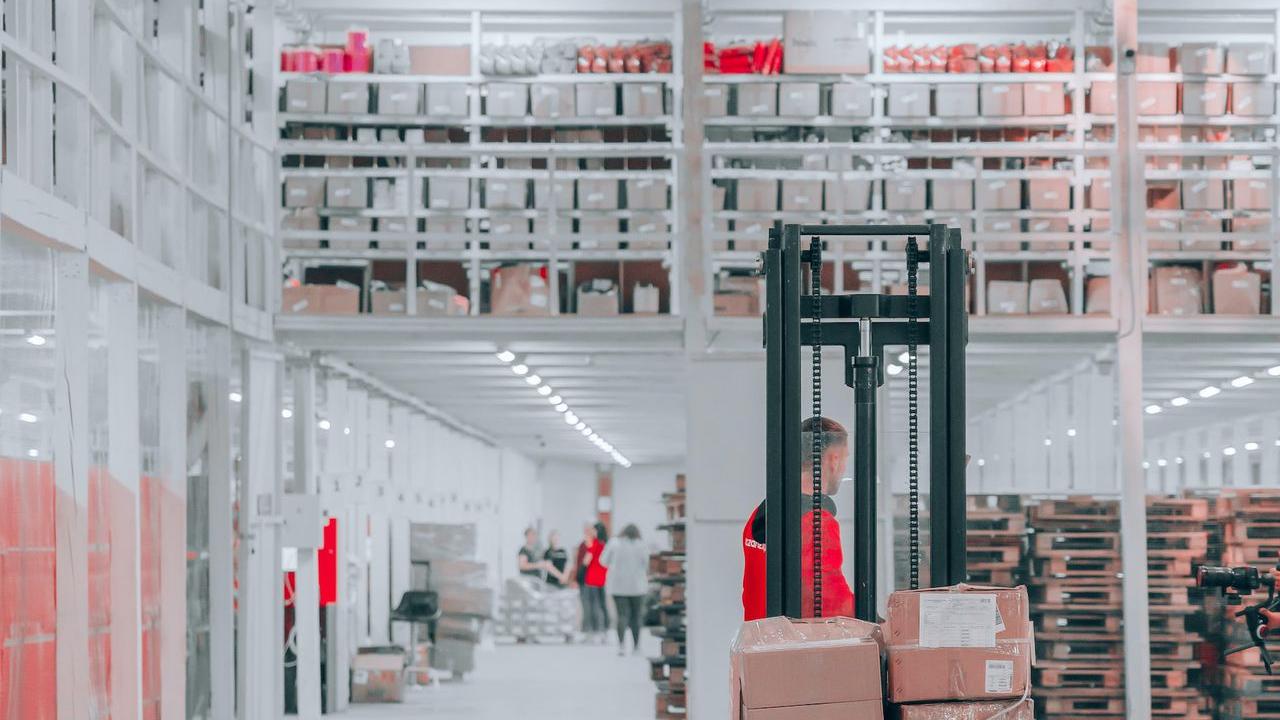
column 557, row 562
column 529, row 563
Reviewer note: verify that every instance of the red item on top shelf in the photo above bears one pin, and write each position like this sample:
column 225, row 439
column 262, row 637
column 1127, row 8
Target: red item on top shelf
column 333, row 60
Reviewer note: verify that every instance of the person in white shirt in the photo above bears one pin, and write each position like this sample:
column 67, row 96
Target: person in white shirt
column 627, row 559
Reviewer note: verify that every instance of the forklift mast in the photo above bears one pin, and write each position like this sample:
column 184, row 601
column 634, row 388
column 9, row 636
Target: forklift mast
column 864, row 324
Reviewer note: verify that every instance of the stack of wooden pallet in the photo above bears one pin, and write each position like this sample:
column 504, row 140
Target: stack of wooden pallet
column 997, row 534
column 666, row 568
column 1177, row 542
column 1250, row 536
column 1076, row 603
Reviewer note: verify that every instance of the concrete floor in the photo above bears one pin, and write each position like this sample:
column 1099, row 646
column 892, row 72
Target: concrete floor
column 533, row 682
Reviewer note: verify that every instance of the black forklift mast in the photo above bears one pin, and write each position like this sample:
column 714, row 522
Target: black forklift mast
column 863, row 324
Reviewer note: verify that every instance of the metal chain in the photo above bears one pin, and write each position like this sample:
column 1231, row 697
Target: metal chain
column 815, row 281
column 913, row 415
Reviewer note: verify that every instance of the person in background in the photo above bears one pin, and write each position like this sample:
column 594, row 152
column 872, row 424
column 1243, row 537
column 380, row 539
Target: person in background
column 556, row 559
column 594, row 607
column 627, row 559
column 529, row 562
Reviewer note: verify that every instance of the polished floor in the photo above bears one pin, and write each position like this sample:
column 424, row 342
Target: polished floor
column 532, row 682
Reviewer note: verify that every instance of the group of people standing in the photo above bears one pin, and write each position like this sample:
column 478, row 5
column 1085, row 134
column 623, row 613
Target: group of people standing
column 617, row 568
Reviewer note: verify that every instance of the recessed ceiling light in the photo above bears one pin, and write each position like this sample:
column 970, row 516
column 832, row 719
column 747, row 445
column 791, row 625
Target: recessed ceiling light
column 893, row 369
column 1251, row 446
column 1071, row 432
column 33, row 453
column 534, row 379
column 1178, row 460
column 506, row 356
column 28, row 418
column 1047, row 442
column 1207, row 455
column 324, row 424
column 982, row 462
column 1228, row 451
column 286, row 413
column 1146, row 465
column 1162, row 462
column 555, row 399
column 1274, row 371
column 1179, row 401
column 1154, row 409
column 562, row 407
column 545, row 390
column 581, row 425
column 586, row 431
column 389, row 443
column 1242, row 381
column 235, row 397
column 37, row 340
column 520, row 369
column 1209, row 391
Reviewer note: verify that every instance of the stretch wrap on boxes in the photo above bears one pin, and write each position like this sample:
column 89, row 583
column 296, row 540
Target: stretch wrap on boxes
column 531, row 607
column 1006, row 710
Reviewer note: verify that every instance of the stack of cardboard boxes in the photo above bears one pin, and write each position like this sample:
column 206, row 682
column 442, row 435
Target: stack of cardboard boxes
column 466, row 597
column 666, row 569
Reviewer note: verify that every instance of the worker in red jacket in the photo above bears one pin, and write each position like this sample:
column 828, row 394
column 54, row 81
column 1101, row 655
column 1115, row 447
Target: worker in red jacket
column 837, row 596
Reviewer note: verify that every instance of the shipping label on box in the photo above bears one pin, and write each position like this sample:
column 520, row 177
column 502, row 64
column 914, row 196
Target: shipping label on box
column 398, row 98
column 647, row 223
column 1044, row 98
column 304, row 96
column 715, row 100
column 643, row 99
column 1200, row 59
column 448, row 100
column 304, row 192
column 908, row 100
column 801, row 195
column 1001, row 99
column 1049, row 193
column 448, row 193
column 597, row 194
column 350, row 223
column 1253, row 98
column 1250, row 59
column 596, row 99
column 1204, row 98
column 904, row 194
column 798, row 99
column 552, row 100
column 851, row 100
column 825, row 42
column 348, row 98
column 952, row 194
column 347, row 192
column 757, row 99
column 506, row 100
column 1157, row 98
column 956, row 100
column 1000, row 194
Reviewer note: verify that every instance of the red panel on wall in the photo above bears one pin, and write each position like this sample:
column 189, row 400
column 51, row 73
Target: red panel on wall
column 328, row 559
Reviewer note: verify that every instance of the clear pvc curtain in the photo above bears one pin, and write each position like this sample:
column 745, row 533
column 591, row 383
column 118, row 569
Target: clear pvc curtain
column 150, row 491
column 102, row 491
column 27, row 540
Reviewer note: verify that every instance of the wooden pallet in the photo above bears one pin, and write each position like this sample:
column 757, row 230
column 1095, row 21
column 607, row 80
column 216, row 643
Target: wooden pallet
column 1079, row 675
column 1259, row 708
column 1181, row 545
column 1171, row 597
column 1253, row 531
column 1181, row 649
column 992, row 576
column 1078, row 544
column 1066, row 593
column 671, row 704
column 1182, row 510
column 1177, row 702
column 1170, row 567
column 977, row 504
column 1052, row 646
column 1252, row 553
column 1168, row 678
column 1082, row 702
column 1172, row 624
column 1074, row 511
column 1078, row 567
column 675, row 503
column 994, row 558
column 1076, row 621
column 1241, row 681
column 1249, row 503
column 983, row 524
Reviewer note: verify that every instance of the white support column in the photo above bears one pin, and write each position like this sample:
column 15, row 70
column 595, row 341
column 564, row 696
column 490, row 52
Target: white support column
column 1189, row 451
column 1241, row 471
column 221, row 537
column 306, row 598
column 1060, row 418
column 1212, row 455
column 171, row 333
column 403, row 427
column 1269, row 440
column 693, row 252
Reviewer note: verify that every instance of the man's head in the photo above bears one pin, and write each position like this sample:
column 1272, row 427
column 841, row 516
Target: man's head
column 553, row 538
column 530, row 537
column 835, row 452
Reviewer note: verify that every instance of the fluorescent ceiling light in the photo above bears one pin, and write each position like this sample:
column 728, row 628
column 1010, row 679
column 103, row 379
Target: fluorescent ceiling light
column 581, row 425
column 1209, row 391
column 506, row 356
column 1242, row 381
column 586, row 431
column 235, row 397
column 389, row 443
column 1071, row 432
column 1251, row 446
column 570, row 419
column 33, row 453
column 562, row 407
column 534, row 379
column 1047, row 442
column 1207, row 455
column 1274, row 371
column 346, row 431
column 28, row 418
column 545, row 390
column 1162, row 462
column 894, row 369
column 1178, row 460
column 286, row 413
column 1146, row 465
column 324, row 424
column 1228, row 451
column 1179, row 401
column 1154, row 409
column 982, row 462
column 37, row 340
column 555, row 399
column 520, row 369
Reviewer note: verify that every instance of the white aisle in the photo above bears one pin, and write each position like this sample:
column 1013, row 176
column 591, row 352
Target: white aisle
column 535, row 682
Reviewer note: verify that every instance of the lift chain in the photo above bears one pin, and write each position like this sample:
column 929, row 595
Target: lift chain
column 913, row 414
column 815, row 310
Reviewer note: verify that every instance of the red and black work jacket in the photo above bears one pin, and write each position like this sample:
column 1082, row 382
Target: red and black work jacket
column 837, row 596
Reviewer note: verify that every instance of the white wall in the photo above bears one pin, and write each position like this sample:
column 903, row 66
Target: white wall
column 569, row 494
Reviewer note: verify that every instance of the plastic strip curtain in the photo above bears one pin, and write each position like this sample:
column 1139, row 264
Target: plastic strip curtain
column 206, row 356
column 27, row 492
column 103, row 491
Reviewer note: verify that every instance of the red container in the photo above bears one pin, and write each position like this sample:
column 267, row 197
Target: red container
column 306, row 60
column 334, row 61
column 357, row 61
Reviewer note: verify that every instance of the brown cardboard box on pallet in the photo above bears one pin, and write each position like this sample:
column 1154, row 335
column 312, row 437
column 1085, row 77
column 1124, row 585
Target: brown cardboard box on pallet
column 518, row 290
column 1177, row 290
column 956, row 100
column 1007, row 297
column 1253, row 98
column 851, row 100
column 440, row 59
column 1237, row 291
column 320, row 300
column 1022, row 710
column 377, row 677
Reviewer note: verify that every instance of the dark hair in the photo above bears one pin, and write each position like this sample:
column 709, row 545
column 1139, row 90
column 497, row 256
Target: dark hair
column 602, row 532
column 833, row 433
column 631, row 532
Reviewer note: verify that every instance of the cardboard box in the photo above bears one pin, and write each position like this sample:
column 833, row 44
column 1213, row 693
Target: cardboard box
column 448, row 193
column 647, row 223
column 598, row 298
column 798, row 99
column 963, row 642
column 736, row 304
column 505, row 194
column 1163, row 195
column 757, row 195
column 715, row 100
column 1004, row 297
column 904, row 194
column 471, row 601
column 391, row 225
column 643, row 99
column 825, row 42
column 1002, row 99
column 1046, row 297
column 802, row 195
column 645, row 300
column 551, row 100
column 851, row 100
column 1253, row 98
column 440, row 59
column 1157, row 98
column 1253, row 194
column 597, row 194
column 1154, row 58
column 302, row 219
column 1097, row 296
column 320, row 300
column 448, row 100
column 951, row 194
column 646, row 194
column 908, row 100
column 757, row 99
column 1049, row 194
column 1204, row 98
column 1100, row 193
column 596, row 99
column 1237, row 291
column 1205, row 194
column 518, row 290
column 377, row 677
column 399, row 98
column 1200, row 59
column 545, row 192
column 304, row 96
column 852, row 194
column 823, row 668
column 1177, row 290
column 1000, row 194
column 446, row 224
column 1021, row 710
column 506, row 100
column 303, row 192
column 956, row 100
column 347, row 98
column 507, row 223
column 347, row 192
column 350, row 223
column 1102, row 97
column 1044, row 98
column 434, row 300
column 1250, row 59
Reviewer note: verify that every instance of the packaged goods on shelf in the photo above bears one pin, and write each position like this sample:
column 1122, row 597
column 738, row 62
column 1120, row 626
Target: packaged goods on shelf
column 1002, row 99
column 1047, row 297
column 1253, row 98
column 905, row 194
column 1177, row 290
column 532, row 609
column 350, row 223
column 737, row 295
column 439, row 60
column 801, row 195
column 645, row 223
column 645, row 299
column 1000, row 194
column 798, row 99
column 908, row 100
column 398, row 98
column 1157, row 98
column 1045, row 98
column 303, row 219
column 598, row 298
column 853, row 194
column 757, row 99
column 597, row 225
column 597, row 194
column 447, row 100
column 1007, row 297
column 1007, row 710
column 377, row 675
column 1250, row 59
column 433, row 300
column 826, row 42
column 851, row 100
column 1102, row 97
column 448, row 193
column 347, row 192
column 304, row 192
column 1237, row 290
column 519, row 290
column 1097, row 296
column 715, row 100
column 596, row 99
column 951, row 194
column 1200, row 59
column 646, row 194
column 391, row 55
column 760, row 58
column 1163, row 195
column 1154, row 58
column 340, row 299
column 304, row 96
column 829, row 666
column 391, row 225
column 548, row 194
column 506, row 223
column 956, row 100
column 643, row 99
column 1204, row 98
column 757, row 195
column 347, row 98
column 1251, row 194
column 642, row 57
column 1205, row 194
column 963, row 642
column 969, row 58
column 507, row 100
column 504, row 194
column 1049, row 193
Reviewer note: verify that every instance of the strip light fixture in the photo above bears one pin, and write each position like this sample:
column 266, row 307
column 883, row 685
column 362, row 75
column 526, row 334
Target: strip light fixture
column 559, row 404
column 1208, row 391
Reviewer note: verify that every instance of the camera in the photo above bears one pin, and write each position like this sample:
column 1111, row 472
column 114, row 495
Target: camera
column 1243, row 580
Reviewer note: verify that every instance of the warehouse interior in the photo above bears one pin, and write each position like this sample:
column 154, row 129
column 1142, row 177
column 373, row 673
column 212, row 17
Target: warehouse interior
column 246, row 474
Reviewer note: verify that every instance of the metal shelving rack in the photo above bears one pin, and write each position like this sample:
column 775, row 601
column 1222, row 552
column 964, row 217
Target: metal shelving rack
column 552, row 244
